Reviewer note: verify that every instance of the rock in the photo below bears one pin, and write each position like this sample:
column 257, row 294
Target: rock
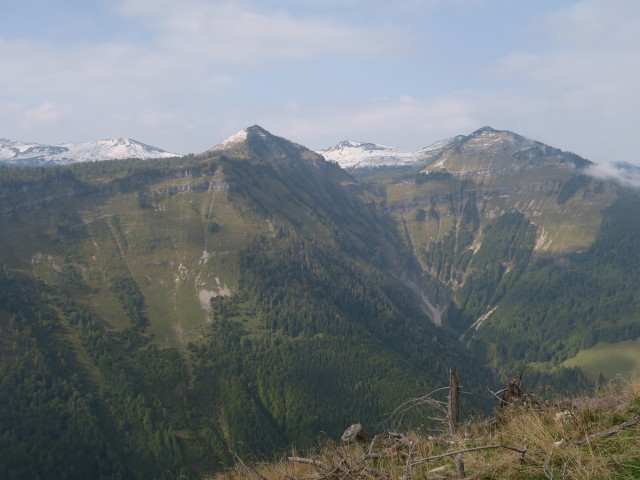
column 355, row 433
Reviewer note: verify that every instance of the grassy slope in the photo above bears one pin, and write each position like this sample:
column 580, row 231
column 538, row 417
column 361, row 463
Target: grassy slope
column 547, row 434
column 168, row 246
column 608, row 359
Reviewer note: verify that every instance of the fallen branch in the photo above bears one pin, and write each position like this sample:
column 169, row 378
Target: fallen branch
column 310, row 461
column 521, row 451
column 373, row 442
column 495, row 394
column 607, row 433
column 377, row 455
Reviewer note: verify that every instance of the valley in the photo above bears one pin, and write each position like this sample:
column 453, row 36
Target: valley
column 177, row 312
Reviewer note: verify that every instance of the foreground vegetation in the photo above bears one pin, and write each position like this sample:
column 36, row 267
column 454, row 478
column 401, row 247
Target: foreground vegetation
column 583, row 438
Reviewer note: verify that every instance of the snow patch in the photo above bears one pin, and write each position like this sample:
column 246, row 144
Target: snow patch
column 233, row 140
column 350, row 154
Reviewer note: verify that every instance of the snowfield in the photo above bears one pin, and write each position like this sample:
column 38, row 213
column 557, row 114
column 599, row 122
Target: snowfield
column 35, row 154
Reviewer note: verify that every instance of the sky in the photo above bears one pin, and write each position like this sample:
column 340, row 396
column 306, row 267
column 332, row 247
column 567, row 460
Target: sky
column 183, row 75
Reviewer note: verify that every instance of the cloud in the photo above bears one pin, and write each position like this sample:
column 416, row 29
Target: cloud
column 583, row 77
column 193, row 60
column 46, row 113
column 405, row 122
column 593, row 62
column 239, row 32
column 318, row 71
column 598, row 24
column 623, row 174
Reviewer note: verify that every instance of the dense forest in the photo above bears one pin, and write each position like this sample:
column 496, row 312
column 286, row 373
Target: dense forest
column 556, row 309
column 313, row 348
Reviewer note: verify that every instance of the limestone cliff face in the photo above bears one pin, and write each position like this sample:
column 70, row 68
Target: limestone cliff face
column 482, row 210
column 490, row 173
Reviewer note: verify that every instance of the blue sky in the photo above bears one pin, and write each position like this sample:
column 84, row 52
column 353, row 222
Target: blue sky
column 185, row 74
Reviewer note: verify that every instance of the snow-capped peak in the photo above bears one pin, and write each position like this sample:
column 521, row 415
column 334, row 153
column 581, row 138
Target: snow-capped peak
column 350, row 154
column 235, row 139
column 36, row 154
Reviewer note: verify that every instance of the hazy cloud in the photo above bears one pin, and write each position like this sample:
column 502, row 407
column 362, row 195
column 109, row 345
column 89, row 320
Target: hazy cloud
column 404, row 121
column 240, row 32
column 628, row 176
column 593, row 62
column 598, row 24
column 45, row 113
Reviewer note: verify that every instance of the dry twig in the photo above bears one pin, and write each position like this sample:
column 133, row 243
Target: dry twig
column 522, row 452
column 607, row 433
column 309, row 461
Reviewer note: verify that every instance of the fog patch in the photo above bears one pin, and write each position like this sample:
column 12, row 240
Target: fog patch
column 625, row 174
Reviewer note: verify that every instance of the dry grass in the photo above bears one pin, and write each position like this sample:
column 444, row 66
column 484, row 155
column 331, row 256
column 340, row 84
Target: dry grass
column 557, row 439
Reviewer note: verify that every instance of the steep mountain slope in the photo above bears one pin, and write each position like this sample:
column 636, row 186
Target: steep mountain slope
column 34, row 154
column 233, row 301
column 524, row 238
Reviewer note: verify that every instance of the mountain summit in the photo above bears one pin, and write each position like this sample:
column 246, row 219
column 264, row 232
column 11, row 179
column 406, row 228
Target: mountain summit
column 350, row 154
column 487, row 147
column 492, row 150
column 243, row 137
column 36, row 154
column 259, row 143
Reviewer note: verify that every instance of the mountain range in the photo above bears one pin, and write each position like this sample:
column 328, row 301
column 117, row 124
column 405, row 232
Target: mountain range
column 34, row 154
column 160, row 317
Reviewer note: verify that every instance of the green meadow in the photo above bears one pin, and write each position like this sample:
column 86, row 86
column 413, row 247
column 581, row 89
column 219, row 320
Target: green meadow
column 610, row 359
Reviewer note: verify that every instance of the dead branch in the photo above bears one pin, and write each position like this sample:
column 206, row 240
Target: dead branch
column 522, row 451
column 607, row 433
column 459, row 466
column 495, row 394
column 373, row 442
column 377, row 455
column 309, row 461
column 415, row 402
column 408, row 467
